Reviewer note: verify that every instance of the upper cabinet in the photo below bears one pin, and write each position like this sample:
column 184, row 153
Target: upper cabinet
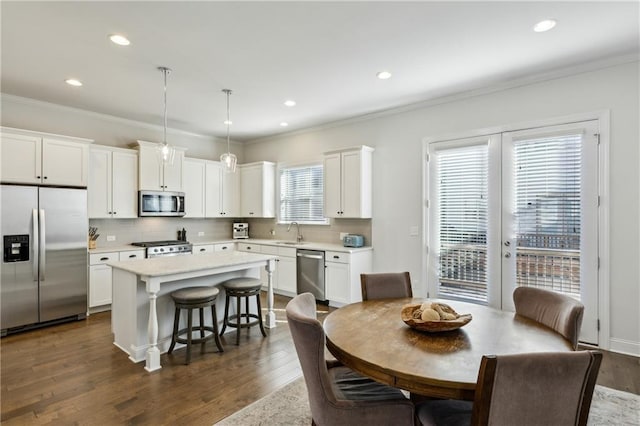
column 222, row 192
column 257, row 189
column 44, row 159
column 113, row 183
column 348, row 183
column 155, row 176
column 194, row 187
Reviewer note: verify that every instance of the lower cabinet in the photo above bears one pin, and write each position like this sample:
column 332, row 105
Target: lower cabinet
column 342, row 275
column 100, row 276
column 210, row 248
column 284, row 277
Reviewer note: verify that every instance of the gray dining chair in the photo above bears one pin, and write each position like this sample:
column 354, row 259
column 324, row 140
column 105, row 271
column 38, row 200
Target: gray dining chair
column 533, row 389
column 337, row 394
column 557, row 311
column 385, row 285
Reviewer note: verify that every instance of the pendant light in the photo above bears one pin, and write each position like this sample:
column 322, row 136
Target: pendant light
column 165, row 152
column 228, row 159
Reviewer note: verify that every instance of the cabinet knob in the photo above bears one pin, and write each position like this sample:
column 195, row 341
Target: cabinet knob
column 115, row 212
column 104, row 258
column 37, row 177
column 45, row 177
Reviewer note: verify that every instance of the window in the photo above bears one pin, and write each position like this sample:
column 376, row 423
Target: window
column 301, row 194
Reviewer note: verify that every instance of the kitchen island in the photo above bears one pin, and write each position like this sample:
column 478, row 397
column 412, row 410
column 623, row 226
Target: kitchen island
column 142, row 310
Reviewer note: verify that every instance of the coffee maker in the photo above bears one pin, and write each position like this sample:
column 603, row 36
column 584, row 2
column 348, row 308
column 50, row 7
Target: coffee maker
column 240, row 230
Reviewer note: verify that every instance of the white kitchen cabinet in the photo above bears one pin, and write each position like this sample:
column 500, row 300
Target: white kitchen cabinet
column 249, row 247
column 257, row 189
column 112, row 191
column 348, row 183
column 342, row 275
column 100, row 276
column 203, row 248
column 224, row 247
column 284, row 276
column 156, row 176
column 222, row 191
column 194, row 187
column 44, row 159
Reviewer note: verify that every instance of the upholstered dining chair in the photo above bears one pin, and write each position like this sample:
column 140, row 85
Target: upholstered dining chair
column 385, row 285
column 557, row 311
column 337, row 394
column 545, row 388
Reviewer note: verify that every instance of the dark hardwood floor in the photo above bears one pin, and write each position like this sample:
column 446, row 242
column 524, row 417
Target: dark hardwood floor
column 72, row 374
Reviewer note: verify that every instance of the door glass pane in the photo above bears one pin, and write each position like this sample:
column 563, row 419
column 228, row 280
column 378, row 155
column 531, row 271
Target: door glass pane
column 462, row 212
column 548, row 213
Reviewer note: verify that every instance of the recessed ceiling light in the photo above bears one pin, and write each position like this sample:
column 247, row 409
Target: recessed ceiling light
column 290, row 103
column 229, row 122
column 383, row 75
column 73, row 82
column 545, row 25
column 120, row 39
column 284, row 124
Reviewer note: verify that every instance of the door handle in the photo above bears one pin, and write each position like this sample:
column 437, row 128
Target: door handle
column 310, row 256
column 35, row 247
column 43, row 260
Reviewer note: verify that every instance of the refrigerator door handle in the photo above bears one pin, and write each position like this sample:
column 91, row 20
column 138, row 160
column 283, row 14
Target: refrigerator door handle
column 35, row 244
column 42, row 245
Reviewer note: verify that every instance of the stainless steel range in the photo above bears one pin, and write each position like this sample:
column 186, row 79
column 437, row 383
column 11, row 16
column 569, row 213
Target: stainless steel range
column 165, row 248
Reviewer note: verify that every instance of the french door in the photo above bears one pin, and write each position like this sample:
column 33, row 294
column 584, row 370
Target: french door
column 515, row 209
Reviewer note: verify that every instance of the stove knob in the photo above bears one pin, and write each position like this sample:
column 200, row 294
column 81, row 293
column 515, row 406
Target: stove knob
column 161, row 249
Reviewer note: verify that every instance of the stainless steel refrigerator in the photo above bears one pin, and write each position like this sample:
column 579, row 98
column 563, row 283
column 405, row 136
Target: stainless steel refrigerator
column 44, row 246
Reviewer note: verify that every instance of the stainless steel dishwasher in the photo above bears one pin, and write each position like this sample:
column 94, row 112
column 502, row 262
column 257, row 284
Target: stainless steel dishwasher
column 310, row 266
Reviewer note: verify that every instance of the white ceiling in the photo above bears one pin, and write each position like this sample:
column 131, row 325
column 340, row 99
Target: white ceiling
column 324, row 55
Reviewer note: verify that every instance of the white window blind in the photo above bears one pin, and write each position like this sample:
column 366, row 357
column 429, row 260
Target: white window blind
column 462, row 210
column 301, row 194
column 548, row 212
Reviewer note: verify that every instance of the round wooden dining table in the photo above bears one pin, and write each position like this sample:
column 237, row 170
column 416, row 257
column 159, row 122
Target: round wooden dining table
column 371, row 338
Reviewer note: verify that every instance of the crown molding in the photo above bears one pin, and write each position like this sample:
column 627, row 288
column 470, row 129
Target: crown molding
column 485, row 90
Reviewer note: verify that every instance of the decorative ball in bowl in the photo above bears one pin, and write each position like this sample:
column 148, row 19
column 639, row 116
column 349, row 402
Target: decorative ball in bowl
column 433, row 317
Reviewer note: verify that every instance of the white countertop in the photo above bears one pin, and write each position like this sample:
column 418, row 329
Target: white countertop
column 169, row 265
column 308, row 245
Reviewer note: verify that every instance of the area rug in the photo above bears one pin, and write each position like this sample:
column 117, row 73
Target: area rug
column 289, row 406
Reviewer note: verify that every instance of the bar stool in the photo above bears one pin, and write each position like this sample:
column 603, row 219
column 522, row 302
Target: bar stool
column 195, row 298
column 242, row 288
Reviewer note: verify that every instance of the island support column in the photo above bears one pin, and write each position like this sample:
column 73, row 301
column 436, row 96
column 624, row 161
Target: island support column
column 152, row 357
column 270, row 318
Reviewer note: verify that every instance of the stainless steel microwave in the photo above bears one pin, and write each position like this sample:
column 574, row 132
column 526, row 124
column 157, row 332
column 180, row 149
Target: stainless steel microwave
column 160, row 203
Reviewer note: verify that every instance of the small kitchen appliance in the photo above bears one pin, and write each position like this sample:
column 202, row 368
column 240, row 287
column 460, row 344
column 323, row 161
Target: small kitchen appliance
column 165, row 248
column 353, row 240
column 240, row 230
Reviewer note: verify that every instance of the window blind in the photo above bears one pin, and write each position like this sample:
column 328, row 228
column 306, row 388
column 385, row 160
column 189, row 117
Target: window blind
column 548, row 212
column 301, row 194
column 462, row 209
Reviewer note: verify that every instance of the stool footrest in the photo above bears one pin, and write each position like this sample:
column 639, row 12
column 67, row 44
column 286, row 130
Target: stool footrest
column 204, row 339
column 256, row 321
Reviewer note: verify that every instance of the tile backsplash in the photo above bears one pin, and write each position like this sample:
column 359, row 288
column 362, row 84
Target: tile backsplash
column 127, row 231
column 261, row 228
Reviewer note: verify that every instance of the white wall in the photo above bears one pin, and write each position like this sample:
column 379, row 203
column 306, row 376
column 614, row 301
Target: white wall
column 28, row 114
column 398, row 169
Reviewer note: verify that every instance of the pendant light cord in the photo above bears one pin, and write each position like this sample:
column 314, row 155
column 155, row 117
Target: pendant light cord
column 228, row 92
column 165, row 72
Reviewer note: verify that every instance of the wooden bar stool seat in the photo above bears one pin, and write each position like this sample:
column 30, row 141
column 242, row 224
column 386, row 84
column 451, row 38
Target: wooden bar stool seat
column 242, row 288
column 191, row 298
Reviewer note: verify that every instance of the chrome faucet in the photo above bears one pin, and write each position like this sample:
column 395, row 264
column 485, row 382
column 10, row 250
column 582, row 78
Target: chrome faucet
column 298, row 234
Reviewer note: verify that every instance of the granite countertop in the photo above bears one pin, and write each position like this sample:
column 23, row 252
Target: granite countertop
column 169, row 265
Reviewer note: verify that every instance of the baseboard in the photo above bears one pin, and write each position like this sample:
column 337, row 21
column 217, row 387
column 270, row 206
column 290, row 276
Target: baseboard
column 626, row 347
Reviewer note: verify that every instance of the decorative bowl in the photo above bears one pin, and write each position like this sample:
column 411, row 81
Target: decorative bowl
column 433, row 326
